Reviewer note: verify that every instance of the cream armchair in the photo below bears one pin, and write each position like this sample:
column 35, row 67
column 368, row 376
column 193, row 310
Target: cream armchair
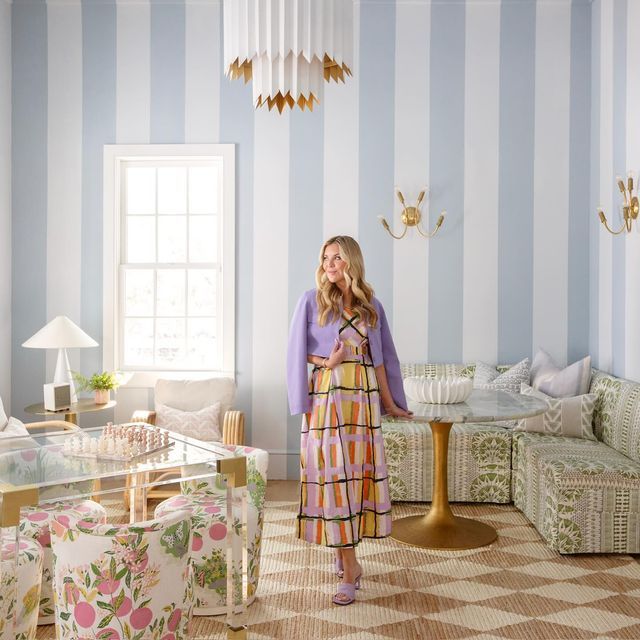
column 190, row 395
column 193, row 395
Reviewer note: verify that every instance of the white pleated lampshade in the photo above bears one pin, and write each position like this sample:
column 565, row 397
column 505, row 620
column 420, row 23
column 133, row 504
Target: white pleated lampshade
column 288, row 47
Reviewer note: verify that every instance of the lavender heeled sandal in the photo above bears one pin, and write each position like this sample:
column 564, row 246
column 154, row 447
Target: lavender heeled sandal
column 345, row 589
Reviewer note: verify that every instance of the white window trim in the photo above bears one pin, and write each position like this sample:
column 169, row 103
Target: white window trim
column 114, row 155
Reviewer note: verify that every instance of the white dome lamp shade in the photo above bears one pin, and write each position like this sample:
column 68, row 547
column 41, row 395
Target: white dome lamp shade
column 62, row 334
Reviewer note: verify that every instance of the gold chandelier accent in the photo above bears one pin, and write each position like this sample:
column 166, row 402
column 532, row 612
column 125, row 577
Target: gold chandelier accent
column 630, row 207
column 288, row 48
column 411, row 217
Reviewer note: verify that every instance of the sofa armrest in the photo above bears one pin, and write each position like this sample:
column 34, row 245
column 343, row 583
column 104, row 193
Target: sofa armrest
column 233, row 428
column 51, row 425
column 144, row 416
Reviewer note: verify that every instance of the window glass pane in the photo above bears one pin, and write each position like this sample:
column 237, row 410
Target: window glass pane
column 141, row 239
column 138, row 342
column 172, row 239
column 203, row 190
column 202, row 292
column 203, row 239
column 141, row 190
column 170, row 292
column 138, row 289
column 170, row 341
column 172, row 190
column 201, row 343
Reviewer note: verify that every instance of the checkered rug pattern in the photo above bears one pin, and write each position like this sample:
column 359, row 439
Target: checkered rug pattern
column 515, row 588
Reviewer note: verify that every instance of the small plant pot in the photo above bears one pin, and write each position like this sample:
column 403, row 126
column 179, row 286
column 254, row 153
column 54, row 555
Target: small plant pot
column 102, row 396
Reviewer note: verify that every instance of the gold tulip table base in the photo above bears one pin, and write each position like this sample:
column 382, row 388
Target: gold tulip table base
column 440, row 528
column 454, row 535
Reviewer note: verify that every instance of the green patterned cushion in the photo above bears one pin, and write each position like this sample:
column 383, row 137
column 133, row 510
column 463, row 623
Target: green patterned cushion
column 616, row 417
column 428, row 370
column 479, row 464
column 581, row 495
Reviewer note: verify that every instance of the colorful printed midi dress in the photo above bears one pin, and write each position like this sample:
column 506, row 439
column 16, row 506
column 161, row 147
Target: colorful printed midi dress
column 344, row 486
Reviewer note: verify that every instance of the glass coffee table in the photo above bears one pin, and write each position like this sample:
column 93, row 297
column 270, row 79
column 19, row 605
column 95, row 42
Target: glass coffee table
column 439, row 528
column 35, row 470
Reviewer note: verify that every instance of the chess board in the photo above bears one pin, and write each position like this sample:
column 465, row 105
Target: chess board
column 124, row 442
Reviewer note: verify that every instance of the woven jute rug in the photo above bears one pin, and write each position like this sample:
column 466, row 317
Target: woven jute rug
column 515, row 588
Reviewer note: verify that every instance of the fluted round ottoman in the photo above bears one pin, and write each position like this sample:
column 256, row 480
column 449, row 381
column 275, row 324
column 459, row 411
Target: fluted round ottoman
column 19, row 597
column 35, row 522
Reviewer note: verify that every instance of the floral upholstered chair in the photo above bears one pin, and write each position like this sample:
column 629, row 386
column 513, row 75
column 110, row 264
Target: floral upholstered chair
column 21, row 455
column 35, row 523
column 19, row 592
column 205, row 501
column 123, row 581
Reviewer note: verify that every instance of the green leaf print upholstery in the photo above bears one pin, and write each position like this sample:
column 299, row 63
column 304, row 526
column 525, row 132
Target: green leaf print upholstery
column 479, row 467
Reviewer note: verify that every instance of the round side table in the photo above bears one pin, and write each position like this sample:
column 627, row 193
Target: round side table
column 84, row 405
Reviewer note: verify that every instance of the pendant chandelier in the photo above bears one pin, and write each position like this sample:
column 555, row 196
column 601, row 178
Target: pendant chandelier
column 288, row 48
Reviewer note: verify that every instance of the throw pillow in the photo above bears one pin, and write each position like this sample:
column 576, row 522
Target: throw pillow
column 203, row 424
column 549, row 378
column 13, row 428
column 488, row 377
column 3, row 416
column 570, row 417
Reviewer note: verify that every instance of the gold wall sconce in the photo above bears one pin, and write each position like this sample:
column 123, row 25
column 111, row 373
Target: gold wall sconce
column 411, row 217
column 630, row 207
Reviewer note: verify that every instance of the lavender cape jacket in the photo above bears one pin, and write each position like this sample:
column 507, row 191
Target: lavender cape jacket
column 307, row 337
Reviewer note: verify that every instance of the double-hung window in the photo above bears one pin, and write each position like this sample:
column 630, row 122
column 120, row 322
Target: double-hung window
column 169, row 259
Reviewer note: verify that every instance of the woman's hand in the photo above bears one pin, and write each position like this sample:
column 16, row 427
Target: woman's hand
column 336, row 356
column 397, row 412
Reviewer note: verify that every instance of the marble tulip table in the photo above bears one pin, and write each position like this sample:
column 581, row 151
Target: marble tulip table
column 439, row 528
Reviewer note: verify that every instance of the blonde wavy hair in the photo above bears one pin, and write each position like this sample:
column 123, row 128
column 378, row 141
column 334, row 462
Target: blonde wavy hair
column 329, row 296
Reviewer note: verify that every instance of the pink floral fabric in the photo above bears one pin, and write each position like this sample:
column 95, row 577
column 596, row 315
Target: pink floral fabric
column 19, row 592
column 123, row 582
column 205, row 501
column 35, row 523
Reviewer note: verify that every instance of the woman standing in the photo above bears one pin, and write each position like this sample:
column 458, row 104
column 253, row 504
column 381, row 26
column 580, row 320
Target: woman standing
column 341, row 329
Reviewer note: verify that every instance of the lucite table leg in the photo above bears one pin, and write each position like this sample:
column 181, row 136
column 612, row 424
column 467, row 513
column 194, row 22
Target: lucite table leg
column 234, row 471
column 439, row 528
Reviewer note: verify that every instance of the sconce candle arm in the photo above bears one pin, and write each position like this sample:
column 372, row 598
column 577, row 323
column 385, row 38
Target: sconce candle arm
column 625, row 225
column 430, row 234
column 385, row 224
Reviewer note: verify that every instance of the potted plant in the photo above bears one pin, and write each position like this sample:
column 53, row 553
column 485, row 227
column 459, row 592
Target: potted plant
column 100, row 383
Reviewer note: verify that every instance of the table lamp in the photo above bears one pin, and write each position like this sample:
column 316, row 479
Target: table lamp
column 62, row 334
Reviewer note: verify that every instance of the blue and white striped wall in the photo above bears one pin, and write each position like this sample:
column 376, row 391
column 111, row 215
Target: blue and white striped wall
column 615, row 261
column 485, row 102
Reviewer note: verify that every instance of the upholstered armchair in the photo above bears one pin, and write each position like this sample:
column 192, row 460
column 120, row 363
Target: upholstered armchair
column 109, row 578
column 184, row 402
column 19, row 588
column 196, row 395
column 205, row 501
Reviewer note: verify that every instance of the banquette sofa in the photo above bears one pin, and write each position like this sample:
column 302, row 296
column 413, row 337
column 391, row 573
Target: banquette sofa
column 583, row 496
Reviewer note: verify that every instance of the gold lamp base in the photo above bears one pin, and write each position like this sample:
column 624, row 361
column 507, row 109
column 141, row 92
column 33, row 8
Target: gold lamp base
column 458, row 534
